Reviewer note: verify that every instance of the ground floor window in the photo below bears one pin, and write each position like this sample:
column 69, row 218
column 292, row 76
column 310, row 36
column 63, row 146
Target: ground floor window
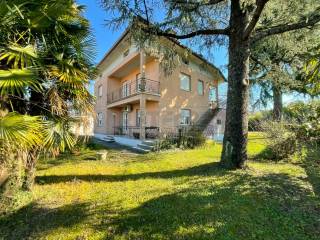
column 138, row 118
column 100, row 117
column 185, row 116
column 125, row 120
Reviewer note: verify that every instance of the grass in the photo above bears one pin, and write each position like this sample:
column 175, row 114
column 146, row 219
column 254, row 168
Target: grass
column 169, row 195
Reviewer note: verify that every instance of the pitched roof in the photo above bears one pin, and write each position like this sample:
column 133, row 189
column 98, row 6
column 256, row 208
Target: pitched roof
column 199, row 56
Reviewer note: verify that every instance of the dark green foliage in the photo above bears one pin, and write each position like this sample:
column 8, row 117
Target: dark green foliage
column 256, row 119
column 188, row 137
column 301, row 127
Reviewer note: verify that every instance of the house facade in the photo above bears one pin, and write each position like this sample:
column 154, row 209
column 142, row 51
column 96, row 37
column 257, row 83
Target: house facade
column 137, row 98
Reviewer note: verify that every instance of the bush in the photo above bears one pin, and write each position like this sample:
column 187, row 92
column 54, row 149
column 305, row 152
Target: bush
column 256, row 119
column 282, row 142
column 187, row 138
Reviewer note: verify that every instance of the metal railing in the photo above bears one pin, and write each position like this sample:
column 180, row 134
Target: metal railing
column 134, row 87
column 134, row 131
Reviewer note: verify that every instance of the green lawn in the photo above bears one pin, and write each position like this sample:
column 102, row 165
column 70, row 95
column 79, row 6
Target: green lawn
column 169, row 195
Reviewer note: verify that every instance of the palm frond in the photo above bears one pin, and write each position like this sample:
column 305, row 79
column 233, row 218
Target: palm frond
column 17, row 55
column 16, row 80
column 20, row 130
column 58, row 136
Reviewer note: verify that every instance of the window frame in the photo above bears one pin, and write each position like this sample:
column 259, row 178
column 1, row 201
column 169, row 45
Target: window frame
column 100, row 93
column 138, row 118
column 181, row 86
column 182, row 118
column 202, row 82
column 100, row 118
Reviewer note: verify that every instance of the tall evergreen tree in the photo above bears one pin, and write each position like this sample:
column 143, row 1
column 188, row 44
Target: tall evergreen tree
column 240, row 23
column 277, row 66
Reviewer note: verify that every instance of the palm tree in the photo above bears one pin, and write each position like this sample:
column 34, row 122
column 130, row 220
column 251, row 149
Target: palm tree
column 46, row 55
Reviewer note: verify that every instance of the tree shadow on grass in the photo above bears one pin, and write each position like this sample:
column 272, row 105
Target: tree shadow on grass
column 312, row 168
column 200, row 170
column 272, row 206
column 33, row 221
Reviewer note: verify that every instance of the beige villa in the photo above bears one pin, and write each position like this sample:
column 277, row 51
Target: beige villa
column 137, row 98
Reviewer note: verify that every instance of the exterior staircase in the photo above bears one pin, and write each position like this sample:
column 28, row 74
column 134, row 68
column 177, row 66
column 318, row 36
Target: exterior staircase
column 109, row 139
column 145, row 147
column 207, row 117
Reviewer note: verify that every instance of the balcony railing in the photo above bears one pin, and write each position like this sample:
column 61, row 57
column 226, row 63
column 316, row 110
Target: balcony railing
column 134, row 87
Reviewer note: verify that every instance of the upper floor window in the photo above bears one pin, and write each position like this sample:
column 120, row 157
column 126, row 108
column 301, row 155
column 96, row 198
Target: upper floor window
column 126, row 53
column 100, row 117
column 125, row 89
column 185, row 117
column 100, row 91
column 200, row 87
column 212, row 94
column 185, row 82
column 219, row 121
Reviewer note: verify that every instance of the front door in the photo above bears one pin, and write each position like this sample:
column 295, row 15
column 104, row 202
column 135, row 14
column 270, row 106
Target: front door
column 125, row 123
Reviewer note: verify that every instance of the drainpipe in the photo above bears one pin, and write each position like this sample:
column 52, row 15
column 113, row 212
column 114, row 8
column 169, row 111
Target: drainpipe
column 142, row 96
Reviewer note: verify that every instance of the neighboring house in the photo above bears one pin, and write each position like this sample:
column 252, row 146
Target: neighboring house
column 135, row 97
column 84, row 126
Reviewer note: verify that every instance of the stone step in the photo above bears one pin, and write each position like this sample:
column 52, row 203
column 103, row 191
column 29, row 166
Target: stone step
column 109, row 139
column 149, row 143
column 145, row 146
column 140, row 150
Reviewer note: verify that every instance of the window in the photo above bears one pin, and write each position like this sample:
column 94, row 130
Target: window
column 200, row 87
column 212, row 94
column 185, row 116
column 125, row 121
column 100, row 91
column 185, row 82
column 138, row 118
column 125, row 89
column 126, row 53
column 138, row 82
column 100, row 117
column 219, row 122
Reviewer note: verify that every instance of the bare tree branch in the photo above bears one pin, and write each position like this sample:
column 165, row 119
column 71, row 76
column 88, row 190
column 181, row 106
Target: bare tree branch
column 193, row 5
column 158, row 32
column 150, row 28
column 306, row 22
column 146, row 10
column 255, row 17
column 211, row 2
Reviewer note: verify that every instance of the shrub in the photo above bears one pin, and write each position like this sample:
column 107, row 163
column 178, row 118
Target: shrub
column 256, row 119
column 188, row 137
column 282, row 142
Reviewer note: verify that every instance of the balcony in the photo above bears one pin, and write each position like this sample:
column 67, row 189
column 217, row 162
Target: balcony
column 133, row 88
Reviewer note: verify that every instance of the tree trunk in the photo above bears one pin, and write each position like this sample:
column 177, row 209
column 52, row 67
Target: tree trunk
column 277, row 103
column 234, row 152
column 14, row 181
column 30, row 169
